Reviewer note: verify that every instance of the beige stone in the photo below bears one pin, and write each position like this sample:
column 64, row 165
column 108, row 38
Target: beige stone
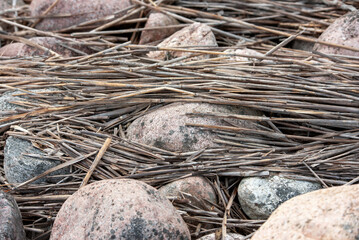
column 326, row 214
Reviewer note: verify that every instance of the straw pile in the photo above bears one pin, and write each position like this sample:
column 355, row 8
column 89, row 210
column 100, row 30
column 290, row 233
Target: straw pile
column 308, row 131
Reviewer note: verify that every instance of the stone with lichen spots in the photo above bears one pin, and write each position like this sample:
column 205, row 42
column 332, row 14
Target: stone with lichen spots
column 118, row 209
column 331, row 214
column 197, row 34
column 166, row 127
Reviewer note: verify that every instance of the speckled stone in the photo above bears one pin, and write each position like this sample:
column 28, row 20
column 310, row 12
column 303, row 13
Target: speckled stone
column 330, row 214
column 156, row 19
column 23, row 50
column 259, row 197
column 344, row 31
column 19, row 167
column 229, row 236
column 166, row 127
column 198, row 187
column 11, row 227
column 118, row 209
column 197, row 34
column 82, row 11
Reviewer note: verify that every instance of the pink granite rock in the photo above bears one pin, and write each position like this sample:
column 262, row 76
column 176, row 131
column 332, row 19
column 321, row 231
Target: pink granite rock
column 198, row 187
column 82, row 11
column 118, row 209
column 23, row 50
column 166, row 127
column 10, row 219
column 344, row 31
column 157, row 19
column 197, row 34
column 330, row 214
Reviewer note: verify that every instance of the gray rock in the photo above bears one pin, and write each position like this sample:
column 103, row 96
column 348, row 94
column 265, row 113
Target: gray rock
column 229, row 236
column 259, row 197
column 19, row 168
column 10, row 219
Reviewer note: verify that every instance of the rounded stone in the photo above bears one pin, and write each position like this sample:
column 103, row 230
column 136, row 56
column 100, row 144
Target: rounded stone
column 156, row 19
column 197, row 34
column 11, row 226
column 229, row 236
column 80, row 11
column 331, row 214
column 198, row 187
column 259, row 197
column 343, row 31
column 166, row 127
column 118, row 209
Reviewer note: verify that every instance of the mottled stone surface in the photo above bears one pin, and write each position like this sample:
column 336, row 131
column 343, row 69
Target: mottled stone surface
column 166, row 127
column 118, row 209
column 198, row 187
column 229, row 236
column 11, row 227
column 330, row 214
column 23, row 50
column 156, row 19
column 344, row 31
column 244, row 51
column 19, row 167
column 303, row 45
column 197, row 34
column 82, row 11
column 259, row 197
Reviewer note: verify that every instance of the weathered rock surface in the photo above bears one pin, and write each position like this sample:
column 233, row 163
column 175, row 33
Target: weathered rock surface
column 118, row 209
column 229, row 236
column 330, row 214
column 198, row 187
column 11, row 227
column 303, row 45
column 259, row 197
column 19, row 167
column 156, row 19
column 244, row 51
column 23, row 50
column 344, row 31
column 81, row 11
column 166, row 127
column 197, row 34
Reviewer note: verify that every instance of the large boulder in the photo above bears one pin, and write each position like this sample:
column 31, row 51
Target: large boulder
column 344, row 31
column 23, row 50
column 197, row 187
column 197, row 34
column 259, row 197
column 331, row 214
column 166, row 127
column 80, row 11
column 118, row 209
column 157, row 19
column 10, row 219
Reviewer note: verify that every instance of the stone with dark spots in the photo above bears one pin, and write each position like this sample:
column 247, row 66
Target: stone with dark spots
column 259, row 197
column 229, row 236
column 11, row 227
column 23, row 50
column 166, row 127
column 198, row 187
column 343, row 31
column 19, row 167
column 197, row 34
column 157, row 19
column 118, row 209
column 331, row 214
column 80, row 11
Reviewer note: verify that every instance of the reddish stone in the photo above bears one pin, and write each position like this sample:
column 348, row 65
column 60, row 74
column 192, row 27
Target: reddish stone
column 118, row 209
